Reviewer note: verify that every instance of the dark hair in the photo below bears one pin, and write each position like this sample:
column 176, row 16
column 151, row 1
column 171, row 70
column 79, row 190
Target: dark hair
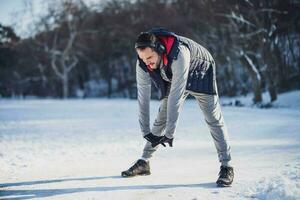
column 145, row 40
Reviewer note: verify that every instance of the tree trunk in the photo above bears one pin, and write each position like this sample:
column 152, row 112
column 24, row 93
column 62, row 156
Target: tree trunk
column 272, row 61
column 109, row 88
column 255, row 76
column 272, row 92
column 65, row 82
column 257, row 90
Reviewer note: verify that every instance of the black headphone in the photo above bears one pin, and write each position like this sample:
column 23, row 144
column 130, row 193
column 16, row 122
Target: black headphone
column 157, row 46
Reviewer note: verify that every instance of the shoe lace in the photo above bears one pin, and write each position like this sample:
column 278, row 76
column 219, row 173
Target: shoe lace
column 136, row 165
column 225, row 172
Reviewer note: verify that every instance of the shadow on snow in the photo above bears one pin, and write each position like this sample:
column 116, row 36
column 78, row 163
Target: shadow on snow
column 39, row 193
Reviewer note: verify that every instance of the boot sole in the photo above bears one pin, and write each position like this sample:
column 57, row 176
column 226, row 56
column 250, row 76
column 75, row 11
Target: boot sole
column 222, row 184
column 130, row 176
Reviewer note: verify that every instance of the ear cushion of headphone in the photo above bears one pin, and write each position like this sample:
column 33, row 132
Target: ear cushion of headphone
column 160, row 48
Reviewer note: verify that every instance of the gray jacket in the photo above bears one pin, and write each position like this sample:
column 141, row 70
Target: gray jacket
column 193, row 70
column 182, row 68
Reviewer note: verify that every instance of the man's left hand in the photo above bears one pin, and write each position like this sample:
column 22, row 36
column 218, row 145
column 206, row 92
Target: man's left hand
column 153, row 139
column 156, row 140
column 164, row 139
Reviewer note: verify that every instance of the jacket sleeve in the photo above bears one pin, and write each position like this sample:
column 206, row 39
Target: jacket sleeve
column 144, row 94
column 180, row 69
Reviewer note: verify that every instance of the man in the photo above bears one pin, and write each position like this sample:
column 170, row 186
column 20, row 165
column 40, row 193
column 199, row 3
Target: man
column 178, row 67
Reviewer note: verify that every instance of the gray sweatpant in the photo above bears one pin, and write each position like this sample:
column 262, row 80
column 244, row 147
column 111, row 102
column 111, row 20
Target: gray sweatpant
column 210, row 106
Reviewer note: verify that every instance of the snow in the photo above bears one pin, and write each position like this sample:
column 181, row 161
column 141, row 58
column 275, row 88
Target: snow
column 76, row 149
column 285, row 100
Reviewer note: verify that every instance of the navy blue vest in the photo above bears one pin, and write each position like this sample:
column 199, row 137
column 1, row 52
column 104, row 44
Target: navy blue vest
column 202, row 75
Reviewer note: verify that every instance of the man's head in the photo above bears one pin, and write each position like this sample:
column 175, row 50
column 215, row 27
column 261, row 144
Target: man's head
column 149, row 49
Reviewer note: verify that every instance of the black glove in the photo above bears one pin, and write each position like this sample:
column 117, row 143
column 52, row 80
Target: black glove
column 153, row 139
column 165, row 139
column 156, row 140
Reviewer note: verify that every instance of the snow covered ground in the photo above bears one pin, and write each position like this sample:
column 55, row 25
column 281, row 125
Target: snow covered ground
column 76, row 149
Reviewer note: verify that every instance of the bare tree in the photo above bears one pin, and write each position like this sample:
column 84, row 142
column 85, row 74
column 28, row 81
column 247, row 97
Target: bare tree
column 63, row 24
column 64, row 60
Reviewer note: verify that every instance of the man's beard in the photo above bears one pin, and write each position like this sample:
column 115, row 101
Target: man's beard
column 158, row 63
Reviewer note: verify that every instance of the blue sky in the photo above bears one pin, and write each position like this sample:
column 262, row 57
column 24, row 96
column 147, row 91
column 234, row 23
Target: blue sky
column 12, row 13
column 7, row 10
column 15, row 13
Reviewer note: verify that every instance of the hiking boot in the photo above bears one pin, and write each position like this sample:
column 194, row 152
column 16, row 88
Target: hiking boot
column 141, row 167
column 225, row 176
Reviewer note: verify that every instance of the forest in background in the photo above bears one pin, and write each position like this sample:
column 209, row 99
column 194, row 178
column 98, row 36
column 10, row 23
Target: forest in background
column 81, row 51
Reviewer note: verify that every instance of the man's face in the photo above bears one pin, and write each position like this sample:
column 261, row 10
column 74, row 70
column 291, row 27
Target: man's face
column 150, row 57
